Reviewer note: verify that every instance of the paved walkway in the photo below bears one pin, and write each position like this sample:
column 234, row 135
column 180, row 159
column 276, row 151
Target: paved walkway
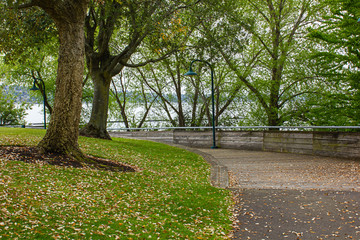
column 289, row 196
column 270, row 170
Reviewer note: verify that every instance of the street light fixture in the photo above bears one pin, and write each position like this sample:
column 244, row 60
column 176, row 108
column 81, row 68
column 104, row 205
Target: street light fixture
column 35, row 88
column 192, row 73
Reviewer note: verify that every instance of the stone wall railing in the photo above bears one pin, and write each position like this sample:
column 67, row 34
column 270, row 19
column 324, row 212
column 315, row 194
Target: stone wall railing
column 334, row 144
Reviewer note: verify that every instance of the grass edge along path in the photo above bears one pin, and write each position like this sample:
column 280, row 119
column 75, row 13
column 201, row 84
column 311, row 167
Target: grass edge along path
column 169, row 198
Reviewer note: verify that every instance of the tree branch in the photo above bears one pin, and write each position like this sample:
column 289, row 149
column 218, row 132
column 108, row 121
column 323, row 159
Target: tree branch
column 148, row 61
column 294, row 96
column 26, row 5
column 241, row 77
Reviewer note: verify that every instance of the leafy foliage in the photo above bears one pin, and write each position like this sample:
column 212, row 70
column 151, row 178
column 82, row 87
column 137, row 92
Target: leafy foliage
column 11, row 111
column 259, row 49
column 338, row 60
column 23, row 32
column 29, row 47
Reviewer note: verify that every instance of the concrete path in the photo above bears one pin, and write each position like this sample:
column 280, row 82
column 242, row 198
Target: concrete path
column 289, row 196
column 269, row 170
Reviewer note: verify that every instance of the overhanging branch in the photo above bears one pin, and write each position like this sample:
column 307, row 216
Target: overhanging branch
column 294, row 96
column 26, row 5
column 148, row 61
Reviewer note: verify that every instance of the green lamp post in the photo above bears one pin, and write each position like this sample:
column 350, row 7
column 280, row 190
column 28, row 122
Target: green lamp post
column 192, row 73
column 34, row 88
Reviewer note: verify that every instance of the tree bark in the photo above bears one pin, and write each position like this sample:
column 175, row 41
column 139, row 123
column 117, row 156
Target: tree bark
column 62, row 134
column 96, row 127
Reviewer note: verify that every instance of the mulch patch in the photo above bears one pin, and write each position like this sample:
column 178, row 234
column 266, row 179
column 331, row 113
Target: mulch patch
column 33, row 155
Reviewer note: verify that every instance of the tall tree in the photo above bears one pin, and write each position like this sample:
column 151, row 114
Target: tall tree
column 338, row 59
column 69, row 17
column 264, row 51
column 129, row 23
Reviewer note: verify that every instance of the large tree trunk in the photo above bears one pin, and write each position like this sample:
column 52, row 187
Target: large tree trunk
column 96, row 127
column 62, row 134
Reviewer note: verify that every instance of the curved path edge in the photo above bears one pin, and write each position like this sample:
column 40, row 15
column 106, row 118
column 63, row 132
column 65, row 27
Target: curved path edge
column 219, row 173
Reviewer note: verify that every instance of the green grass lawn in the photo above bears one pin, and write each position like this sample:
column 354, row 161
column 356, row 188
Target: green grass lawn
column 170, row 198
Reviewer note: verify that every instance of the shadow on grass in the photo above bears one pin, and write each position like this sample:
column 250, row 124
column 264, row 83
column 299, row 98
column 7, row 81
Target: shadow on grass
column 33, row 155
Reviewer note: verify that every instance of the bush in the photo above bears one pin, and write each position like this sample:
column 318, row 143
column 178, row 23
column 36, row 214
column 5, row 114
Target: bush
column 12, row 112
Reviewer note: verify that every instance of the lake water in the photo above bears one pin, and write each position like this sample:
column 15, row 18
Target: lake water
column 35, row 114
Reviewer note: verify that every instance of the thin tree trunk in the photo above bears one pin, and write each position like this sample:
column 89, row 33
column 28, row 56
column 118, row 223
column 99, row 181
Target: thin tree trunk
column 121, row 106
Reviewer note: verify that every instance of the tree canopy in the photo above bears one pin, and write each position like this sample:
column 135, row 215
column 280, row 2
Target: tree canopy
column 277, row 62
column 338, row 58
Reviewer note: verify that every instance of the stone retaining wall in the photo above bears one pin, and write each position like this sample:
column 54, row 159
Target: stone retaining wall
column 334, row 144
column 157, row 136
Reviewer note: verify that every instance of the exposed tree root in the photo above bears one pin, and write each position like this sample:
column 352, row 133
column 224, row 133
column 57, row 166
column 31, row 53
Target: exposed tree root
column 33, row 155
column 91, row 131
